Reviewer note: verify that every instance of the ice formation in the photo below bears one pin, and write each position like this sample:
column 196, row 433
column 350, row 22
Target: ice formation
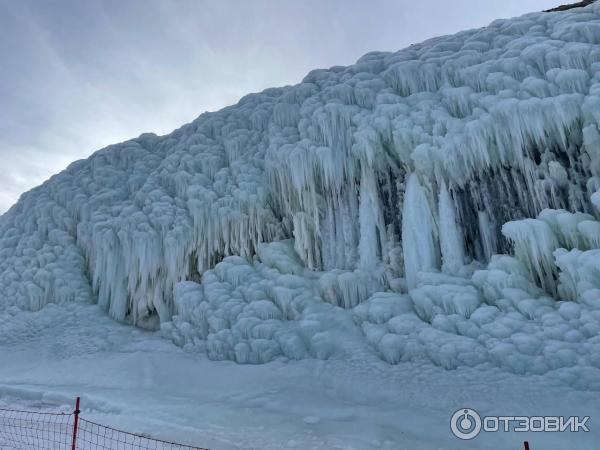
column 440, row 202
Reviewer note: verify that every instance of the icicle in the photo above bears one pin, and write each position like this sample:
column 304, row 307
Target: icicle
column 451, row 236
column 419, row 240
column 306, row 244
column 487, row 232
column 534, row 246
column 372, row 229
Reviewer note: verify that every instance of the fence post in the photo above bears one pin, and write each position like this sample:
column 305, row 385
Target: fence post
column 75, row 423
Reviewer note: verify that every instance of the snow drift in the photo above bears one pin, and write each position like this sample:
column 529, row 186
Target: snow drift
column 440, row 203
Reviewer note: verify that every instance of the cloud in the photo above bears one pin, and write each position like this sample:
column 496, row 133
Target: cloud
column 77, row 76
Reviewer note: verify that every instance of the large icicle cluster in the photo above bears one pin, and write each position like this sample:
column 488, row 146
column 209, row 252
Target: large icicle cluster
column 384, row 190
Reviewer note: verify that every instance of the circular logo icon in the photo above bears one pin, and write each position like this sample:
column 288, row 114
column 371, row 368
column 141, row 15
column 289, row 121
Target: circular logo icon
column 465, row 424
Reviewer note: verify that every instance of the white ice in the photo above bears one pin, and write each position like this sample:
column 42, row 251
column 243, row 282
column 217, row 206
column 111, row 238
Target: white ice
column 438, row 204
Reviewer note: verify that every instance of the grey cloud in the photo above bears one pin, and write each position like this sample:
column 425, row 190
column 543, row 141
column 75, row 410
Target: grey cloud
column 76, row 76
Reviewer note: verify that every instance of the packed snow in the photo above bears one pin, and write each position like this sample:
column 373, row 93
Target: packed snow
column 135, row 380
column 437, row 206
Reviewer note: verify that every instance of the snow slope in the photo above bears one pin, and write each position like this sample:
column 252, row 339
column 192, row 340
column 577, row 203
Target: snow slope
column 436, row 204
column 135, row 380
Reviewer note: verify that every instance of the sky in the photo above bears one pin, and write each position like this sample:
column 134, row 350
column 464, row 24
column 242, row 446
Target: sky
column 76, row 75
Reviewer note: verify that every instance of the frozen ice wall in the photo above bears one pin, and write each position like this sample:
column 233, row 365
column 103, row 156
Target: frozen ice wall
column 388, row 185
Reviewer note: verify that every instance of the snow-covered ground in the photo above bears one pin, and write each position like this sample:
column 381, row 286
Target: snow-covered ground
column 139, row 381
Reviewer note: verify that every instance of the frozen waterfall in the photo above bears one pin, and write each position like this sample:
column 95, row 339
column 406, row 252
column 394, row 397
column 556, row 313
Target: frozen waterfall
column 438, row 202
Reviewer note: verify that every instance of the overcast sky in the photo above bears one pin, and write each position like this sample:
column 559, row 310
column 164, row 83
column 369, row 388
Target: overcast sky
column 77, row 75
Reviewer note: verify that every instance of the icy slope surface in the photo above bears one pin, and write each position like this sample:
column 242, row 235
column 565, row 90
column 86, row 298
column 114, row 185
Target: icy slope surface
column 365, row 203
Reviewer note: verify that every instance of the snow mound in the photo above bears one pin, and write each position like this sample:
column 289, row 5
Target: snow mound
column 251, row 312
column 369, row 204
column 256, row 312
